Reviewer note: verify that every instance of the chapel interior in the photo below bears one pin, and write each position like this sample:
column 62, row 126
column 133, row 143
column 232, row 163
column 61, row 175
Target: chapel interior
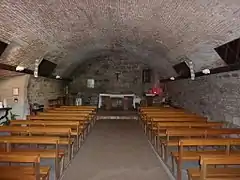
column 116, row 89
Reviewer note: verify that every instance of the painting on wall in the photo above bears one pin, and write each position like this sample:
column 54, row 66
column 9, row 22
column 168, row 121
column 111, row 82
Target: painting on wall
column 90, row 83
column 15, row 92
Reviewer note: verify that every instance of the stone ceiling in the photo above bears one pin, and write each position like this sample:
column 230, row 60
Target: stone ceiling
column 159, row 32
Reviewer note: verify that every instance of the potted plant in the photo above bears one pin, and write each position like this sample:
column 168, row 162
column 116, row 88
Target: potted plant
column 13, row 116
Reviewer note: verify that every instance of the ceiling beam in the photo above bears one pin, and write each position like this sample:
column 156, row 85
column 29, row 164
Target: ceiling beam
column 27, row 71
column 223, row 69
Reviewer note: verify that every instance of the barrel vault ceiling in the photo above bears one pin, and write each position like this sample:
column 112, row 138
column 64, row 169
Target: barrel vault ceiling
column 158, row 32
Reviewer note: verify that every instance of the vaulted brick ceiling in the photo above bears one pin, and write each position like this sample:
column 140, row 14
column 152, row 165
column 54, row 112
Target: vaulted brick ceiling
column 159, row 32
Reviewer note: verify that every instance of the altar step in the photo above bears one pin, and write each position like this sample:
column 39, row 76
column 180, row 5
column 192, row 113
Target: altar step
column 124, row 115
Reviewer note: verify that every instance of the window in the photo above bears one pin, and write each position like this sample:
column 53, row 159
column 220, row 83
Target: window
column 46, row 68
column 146, row 75
column 230, row 52
column 3, row 46
column 182, row 69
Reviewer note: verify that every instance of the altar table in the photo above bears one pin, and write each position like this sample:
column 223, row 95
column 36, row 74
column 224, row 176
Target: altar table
column 116, row 96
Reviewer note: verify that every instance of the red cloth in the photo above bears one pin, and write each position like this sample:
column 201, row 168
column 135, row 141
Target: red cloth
column 156, row 91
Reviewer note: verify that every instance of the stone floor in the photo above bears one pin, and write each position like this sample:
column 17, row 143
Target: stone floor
column 116, row 150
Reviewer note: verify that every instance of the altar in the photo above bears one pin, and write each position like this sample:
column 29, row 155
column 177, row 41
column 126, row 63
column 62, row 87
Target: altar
column 117, row 100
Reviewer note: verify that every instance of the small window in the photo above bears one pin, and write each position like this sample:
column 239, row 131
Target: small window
column 3, row 46
column 182, row 69
column 46, row 68
column 230, row 52
column 146, row 75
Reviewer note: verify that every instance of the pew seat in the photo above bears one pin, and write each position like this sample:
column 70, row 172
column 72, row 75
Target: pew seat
column 205, row 171
column 174, row 135
column 194, row 173
column 182, row 155
column 9, row 157
column 25, row 171
column 28, row 140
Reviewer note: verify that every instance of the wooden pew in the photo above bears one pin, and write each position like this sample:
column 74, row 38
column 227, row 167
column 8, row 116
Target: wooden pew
column 64, row 114
column 70, row 112
column 58, row 118
column 44, row 131
column 77, row 129
column 159, row 107
column 82, row 120
column 148, row 124
column 189, row 133
column 160, row 127
column 174, row 116
column 22, row 172
column 9, row 140
column 149, row 115
column 205, row 173
column 162, row 110
column 76, row 108
column 67, row 115
column 72, row 109
column 80, row 107
column 146, row 113
column 193, row 155
column 193, row 124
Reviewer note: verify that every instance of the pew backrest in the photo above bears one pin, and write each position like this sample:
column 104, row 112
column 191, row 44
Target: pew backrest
column 11, row 157
column 217, row 160
column 189, row 124
column 63, row 114
column 178, row 119
column 56, row 118
column 36, row 130
column 200, row 132
column 45, row 123
column 70, row 112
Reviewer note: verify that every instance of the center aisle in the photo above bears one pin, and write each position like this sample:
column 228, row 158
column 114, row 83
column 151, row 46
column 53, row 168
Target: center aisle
column 116, row 150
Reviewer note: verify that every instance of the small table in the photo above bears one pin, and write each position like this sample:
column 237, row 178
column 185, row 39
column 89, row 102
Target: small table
column 5, row 112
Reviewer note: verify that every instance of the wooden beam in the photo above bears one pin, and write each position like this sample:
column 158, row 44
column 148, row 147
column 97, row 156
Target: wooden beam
column 223, row 69
column 13, row 68
column 27, row 71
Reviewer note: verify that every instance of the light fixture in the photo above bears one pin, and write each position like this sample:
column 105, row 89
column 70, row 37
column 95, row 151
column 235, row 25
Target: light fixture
column 206, row 71
column 58, row 77
column 20, row 68
column 36, row 68
column 172, row 78
column 190, row 64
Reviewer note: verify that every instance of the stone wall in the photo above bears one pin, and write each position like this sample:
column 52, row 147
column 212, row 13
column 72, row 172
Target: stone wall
column 214, row 96
column 103, row 71
column 41, row 89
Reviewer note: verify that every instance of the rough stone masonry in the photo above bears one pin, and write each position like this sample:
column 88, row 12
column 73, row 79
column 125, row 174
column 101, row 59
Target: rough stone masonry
column 214, row 96
column 156, row 33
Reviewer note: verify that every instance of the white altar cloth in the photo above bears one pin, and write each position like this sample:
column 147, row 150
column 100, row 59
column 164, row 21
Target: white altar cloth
column 116, row 96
